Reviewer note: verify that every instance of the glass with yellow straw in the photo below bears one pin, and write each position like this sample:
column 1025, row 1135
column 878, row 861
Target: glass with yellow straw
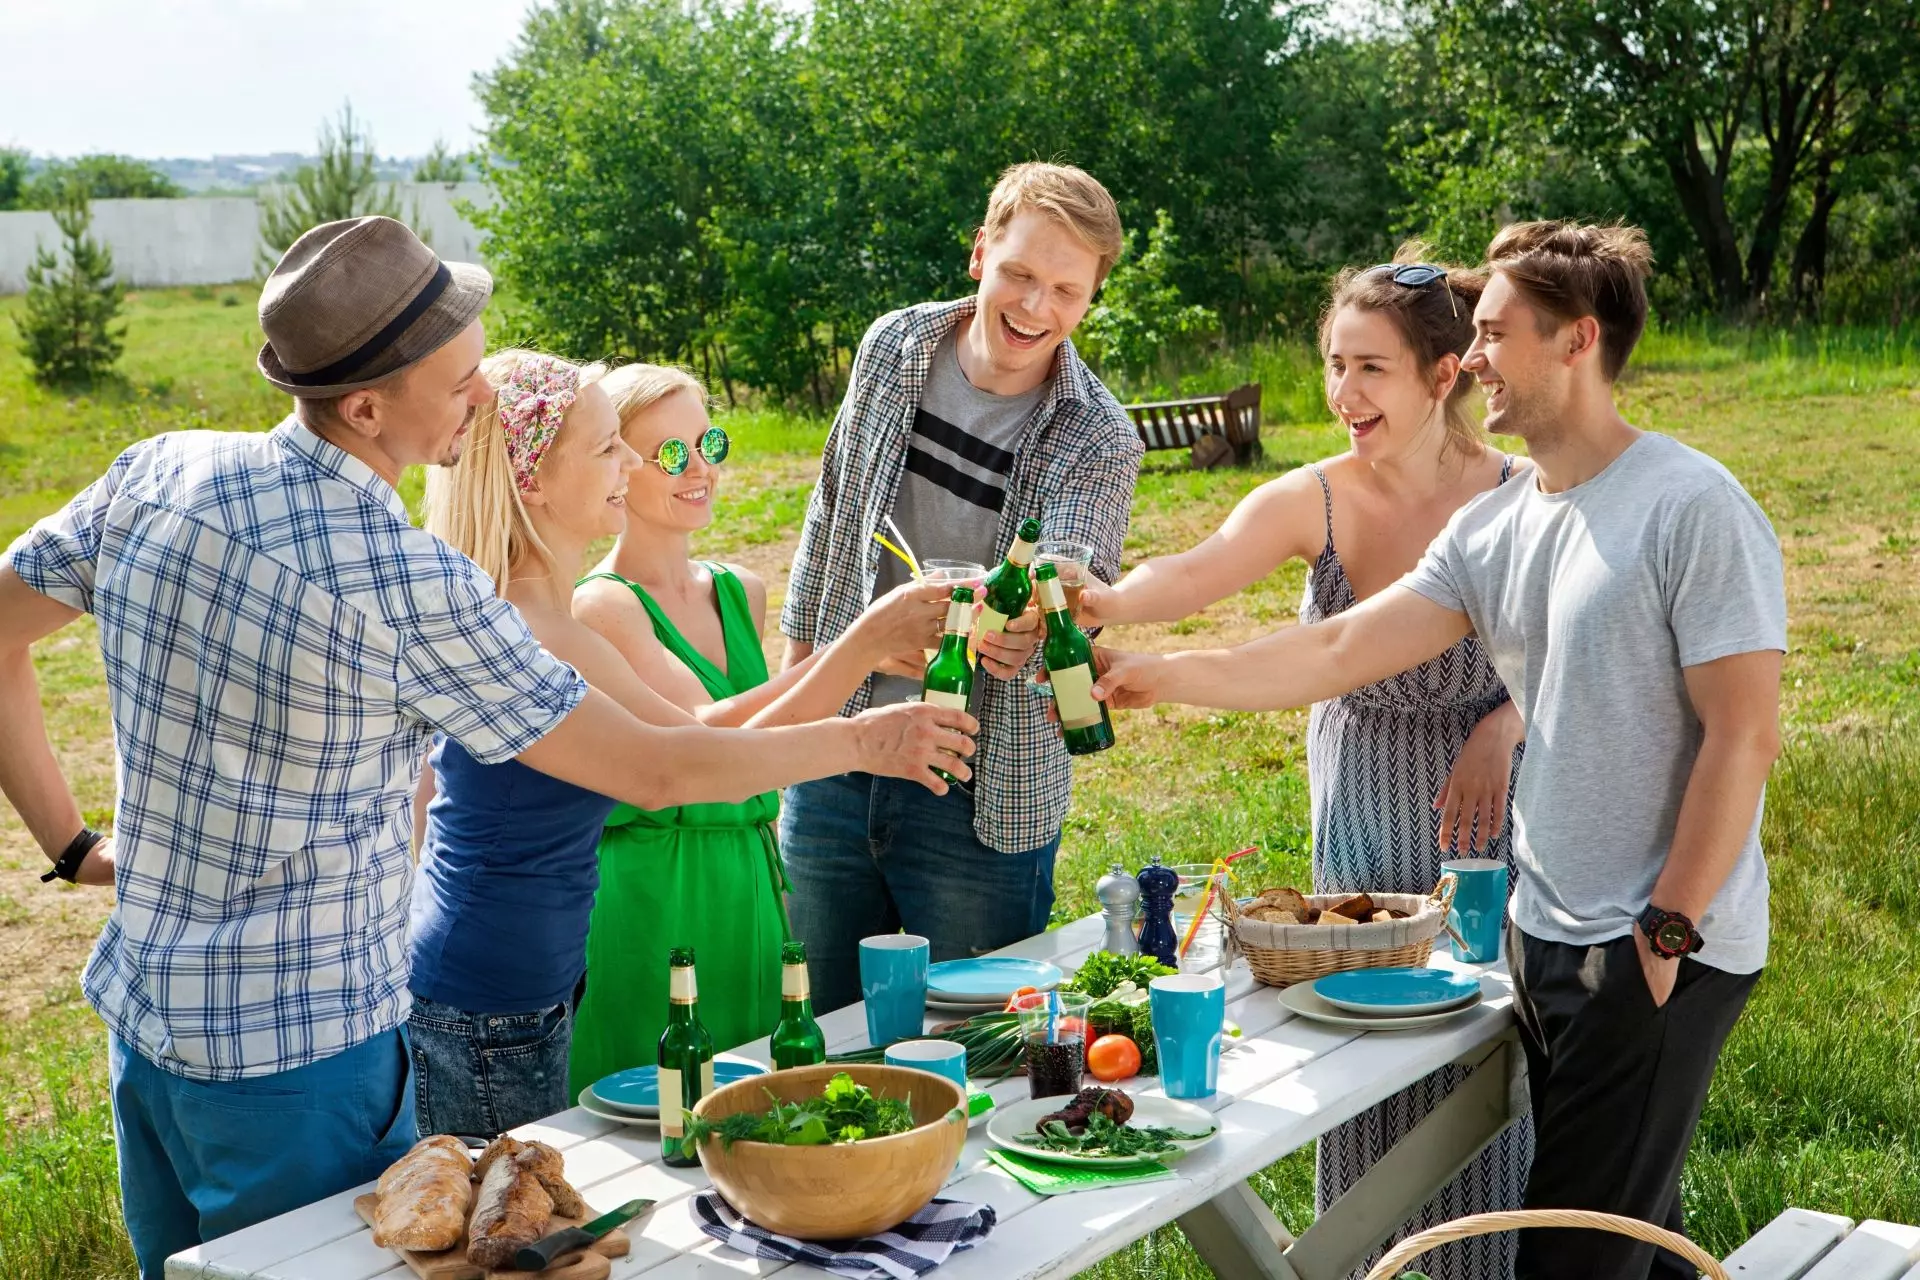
column 947, row 573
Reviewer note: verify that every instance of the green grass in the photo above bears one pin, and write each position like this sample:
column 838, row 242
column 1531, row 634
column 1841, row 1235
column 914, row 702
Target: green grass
column 1815, row 1103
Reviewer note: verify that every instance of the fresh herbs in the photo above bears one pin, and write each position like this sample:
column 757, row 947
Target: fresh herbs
column 1124, row 1011
column 1105, row 1138
column 844, row 1112
column 992, row 1042
column 1102, row 971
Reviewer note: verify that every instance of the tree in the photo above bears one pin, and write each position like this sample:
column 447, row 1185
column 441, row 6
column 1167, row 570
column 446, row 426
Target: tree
column 101, row 177
column 13, row 176
column 340, row 183
column 67, row 331
column 1757, row 113
column 1140, row 321
column 441, row 165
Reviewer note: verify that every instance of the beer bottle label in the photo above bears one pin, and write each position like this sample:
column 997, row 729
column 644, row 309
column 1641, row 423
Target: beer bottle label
column 1073, row 691
column 941, row 698
column 706, row 1078
column 673, row 1120
column 793, row 982
column 990, row 620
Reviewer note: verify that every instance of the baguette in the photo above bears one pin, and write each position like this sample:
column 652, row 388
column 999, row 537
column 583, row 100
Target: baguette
column 546, row 1164
column 424, row 1196
column 511, row 1212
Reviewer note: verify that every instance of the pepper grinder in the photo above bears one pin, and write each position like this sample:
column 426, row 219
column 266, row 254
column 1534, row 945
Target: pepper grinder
column 1157, row 887
column 1119, row 895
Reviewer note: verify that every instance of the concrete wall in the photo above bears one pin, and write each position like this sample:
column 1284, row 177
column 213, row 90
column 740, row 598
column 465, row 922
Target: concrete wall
column 216, row 240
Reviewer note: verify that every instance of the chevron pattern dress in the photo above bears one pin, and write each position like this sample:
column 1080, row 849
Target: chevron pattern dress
column 1375, row 760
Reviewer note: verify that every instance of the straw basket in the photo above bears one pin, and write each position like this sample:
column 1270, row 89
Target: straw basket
column 1283, row 954
column 1486, row 1224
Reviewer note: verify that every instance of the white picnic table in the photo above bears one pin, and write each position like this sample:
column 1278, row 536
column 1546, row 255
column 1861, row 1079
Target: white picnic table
column 1287, row 1081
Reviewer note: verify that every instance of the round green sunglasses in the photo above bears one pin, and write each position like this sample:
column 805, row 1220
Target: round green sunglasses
column 675, row 454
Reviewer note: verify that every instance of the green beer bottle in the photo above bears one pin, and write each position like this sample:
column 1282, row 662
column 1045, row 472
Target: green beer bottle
column 949, row 678
column 686, row 1058
column 1007, row 589
column 1086, row 724
column 796, row 1041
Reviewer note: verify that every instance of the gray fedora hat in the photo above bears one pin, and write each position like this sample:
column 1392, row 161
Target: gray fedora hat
column 356, row 301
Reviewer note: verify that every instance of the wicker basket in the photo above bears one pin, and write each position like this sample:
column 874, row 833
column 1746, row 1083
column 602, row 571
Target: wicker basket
column 1486, row 1224
column 1283, row 954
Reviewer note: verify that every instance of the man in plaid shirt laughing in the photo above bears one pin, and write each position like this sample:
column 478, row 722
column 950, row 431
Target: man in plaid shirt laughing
column 961, row 419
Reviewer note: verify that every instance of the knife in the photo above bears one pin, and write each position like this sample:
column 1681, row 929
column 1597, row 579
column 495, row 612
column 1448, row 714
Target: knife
column 538, row 1257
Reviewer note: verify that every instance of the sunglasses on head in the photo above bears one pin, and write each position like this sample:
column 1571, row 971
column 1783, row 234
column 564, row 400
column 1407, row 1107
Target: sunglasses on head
column 675, row 454
column 1415, row 275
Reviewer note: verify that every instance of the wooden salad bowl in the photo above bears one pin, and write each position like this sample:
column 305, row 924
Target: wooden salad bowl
column 848, row 1189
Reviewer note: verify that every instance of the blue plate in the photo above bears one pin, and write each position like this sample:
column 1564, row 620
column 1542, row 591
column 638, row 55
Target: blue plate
column 636, row 1090
column 1402, row 992
column 992, row 977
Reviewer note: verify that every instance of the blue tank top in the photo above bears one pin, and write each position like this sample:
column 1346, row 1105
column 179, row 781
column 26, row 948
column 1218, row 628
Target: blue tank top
column 505, row 888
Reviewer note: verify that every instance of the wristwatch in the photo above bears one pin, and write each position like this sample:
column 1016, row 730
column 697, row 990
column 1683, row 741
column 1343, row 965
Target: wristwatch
column 67, row 865
column 1670, row 934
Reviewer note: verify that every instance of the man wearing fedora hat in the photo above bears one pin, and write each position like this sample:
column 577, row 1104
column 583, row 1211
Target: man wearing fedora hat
column 279, row 643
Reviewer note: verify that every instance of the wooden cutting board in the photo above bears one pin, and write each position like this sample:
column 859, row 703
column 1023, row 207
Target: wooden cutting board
column 452, row 1264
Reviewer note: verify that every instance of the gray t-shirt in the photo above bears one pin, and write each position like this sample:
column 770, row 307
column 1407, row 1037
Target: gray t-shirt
column 955, row 482
column 1590, row 602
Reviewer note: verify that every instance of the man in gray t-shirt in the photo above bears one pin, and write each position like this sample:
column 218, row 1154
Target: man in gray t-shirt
column 955, row 484
column 1630, row 594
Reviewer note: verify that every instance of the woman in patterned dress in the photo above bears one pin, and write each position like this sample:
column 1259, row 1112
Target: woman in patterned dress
column 1416, row 768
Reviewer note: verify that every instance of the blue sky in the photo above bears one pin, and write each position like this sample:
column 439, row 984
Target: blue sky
column 203, row 77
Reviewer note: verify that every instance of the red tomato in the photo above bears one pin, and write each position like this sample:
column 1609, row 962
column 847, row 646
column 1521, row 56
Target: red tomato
column 1071, row 1028
column 1113, row 1058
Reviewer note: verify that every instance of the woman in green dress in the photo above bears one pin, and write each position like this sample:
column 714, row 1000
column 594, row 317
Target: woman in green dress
column 708, row 875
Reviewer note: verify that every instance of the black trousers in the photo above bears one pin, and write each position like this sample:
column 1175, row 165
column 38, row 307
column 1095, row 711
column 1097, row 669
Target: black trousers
column 1617, row 1087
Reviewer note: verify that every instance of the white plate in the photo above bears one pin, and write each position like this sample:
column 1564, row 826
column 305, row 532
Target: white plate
column 594, row 1107
column 1301, row 998
column 1148, row 1112
column 953, row 1006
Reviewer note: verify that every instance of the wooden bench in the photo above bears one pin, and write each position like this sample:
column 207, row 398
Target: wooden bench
column 1802, row 1245
column 1180, row 424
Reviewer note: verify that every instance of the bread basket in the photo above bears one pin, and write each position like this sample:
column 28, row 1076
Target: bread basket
column 1283, row 954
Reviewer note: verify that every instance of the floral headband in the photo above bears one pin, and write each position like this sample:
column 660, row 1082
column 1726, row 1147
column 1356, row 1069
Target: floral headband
column 537, row 395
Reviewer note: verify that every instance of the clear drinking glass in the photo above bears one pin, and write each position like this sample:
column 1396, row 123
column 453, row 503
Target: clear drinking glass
column 951, row 573
column 1073, row 561
column 1053, row 1030
column 1205, row 953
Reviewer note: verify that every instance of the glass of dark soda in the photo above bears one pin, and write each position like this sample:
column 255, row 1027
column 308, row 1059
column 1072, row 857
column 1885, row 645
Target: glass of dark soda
column 1053, row 1030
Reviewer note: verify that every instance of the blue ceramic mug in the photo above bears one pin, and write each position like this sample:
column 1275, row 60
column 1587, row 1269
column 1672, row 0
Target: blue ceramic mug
column 1478, row 916
column 942, row 1057
column 1189, row 1018
column 893, row 982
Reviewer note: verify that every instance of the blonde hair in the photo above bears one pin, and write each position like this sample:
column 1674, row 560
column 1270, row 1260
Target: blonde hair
column 474, row 506
column 1070, row 196
column 1432, row 320
column 635, row 388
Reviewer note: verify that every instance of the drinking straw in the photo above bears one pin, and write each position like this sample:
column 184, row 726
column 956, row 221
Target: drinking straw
column 1053, row 1013
column 906, row 557
column 1220, row 865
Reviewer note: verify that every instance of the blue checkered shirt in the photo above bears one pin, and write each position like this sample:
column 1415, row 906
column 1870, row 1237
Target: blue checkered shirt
column 1074, row 468
column 279, row 644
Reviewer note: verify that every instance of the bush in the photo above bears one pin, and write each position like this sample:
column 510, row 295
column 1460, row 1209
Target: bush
column 101, row 177
column 1140, row 323
column 67, row 331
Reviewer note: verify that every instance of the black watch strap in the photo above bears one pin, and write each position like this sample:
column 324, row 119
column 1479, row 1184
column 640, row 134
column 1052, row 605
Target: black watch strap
column 67, row 865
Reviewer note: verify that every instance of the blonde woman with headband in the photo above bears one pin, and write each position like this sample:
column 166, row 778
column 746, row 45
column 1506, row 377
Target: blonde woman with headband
column 1419, row 767
column 700, row 875
column 508, row 867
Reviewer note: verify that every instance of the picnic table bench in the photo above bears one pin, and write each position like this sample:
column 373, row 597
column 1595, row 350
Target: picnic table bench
column 1803, row 1245
column 1233, row 416
column 1284, row 1084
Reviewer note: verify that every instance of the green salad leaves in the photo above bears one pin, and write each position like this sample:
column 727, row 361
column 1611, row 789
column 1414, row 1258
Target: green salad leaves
column 1105, row 1138
column 1102, row 971
column 844, row 1112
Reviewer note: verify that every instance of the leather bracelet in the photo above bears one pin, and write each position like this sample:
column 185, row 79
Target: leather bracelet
column 67, row 865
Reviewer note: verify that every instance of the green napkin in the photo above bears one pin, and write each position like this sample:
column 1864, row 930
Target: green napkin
column 1045, row 1178
column 979, row 1102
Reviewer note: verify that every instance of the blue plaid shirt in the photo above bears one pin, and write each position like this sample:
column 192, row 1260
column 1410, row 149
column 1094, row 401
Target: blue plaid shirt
column 1074, row 468
column 279, row 645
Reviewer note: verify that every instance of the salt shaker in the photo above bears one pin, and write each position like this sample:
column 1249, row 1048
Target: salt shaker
column 1119, row 895
column 1157, row 887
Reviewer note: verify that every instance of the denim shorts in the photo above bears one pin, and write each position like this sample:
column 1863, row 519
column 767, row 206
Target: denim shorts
column 480, row 1074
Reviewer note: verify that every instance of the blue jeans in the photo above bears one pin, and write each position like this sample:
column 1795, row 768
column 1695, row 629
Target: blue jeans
column 481, row 1074
column 869, row 855
column 203, row 1159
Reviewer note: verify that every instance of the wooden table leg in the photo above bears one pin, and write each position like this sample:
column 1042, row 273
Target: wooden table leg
column 1237, row 1236
column 1492, row 1097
